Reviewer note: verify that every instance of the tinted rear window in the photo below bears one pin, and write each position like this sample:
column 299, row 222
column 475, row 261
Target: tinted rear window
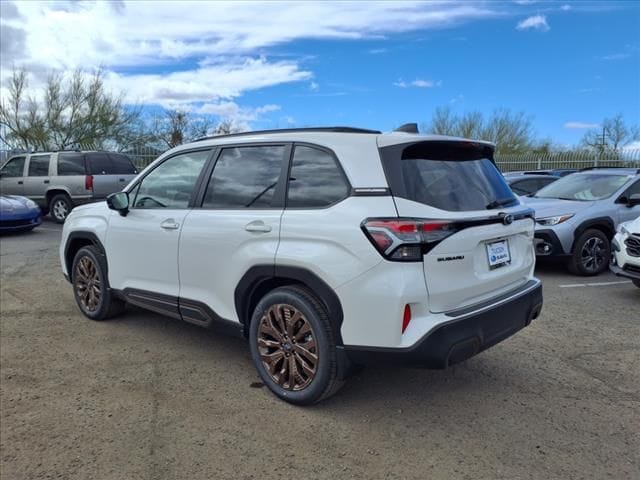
column 99, row 164
column 449, row 176
column 121, row 165
column 71, row 164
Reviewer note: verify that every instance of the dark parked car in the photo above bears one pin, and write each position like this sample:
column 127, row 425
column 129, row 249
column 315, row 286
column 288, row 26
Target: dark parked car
column 529, row 184
column 18, row 214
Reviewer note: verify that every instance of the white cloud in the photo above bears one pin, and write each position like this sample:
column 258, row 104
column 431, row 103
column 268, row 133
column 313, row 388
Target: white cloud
column 616, row 56
column 377, row 51
column 418, row 83
column 565, row 8
column 580, row 125
column 313, row 86
column 536, row 22
column 181, row 53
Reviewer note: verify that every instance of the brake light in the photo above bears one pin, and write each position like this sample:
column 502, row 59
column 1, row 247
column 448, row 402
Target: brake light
column 88, row 182
column 406, row 239
column 406, row 317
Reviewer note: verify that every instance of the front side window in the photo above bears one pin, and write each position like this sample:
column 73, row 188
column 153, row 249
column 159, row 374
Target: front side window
column 315, row 179
column 171, row 184
column 71, row 163
column 39, row 166
column 245, row 177
column 13, row 168
column 583, row 187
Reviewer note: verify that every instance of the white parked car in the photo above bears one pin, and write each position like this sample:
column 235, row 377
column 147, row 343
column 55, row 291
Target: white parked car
column 326, row 248
column 625, row 248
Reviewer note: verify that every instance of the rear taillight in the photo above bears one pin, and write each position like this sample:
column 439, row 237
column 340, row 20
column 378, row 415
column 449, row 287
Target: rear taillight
column 406, row 239
column 88, row 182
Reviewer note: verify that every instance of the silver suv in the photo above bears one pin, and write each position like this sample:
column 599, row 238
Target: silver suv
column 58, row 181
column 577, row 216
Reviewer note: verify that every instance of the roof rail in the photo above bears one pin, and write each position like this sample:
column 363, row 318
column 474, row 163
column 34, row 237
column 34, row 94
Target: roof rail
column 292, row 130
column 599, row 167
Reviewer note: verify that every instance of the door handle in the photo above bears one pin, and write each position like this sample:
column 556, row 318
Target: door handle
column 170, row 224
column 121, row 180
column 45, row 181
column 257, row 226
column 20, row 182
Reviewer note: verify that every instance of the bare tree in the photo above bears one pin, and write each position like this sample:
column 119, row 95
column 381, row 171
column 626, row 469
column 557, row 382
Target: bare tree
column 511, row 132
column 78, row 112
column 614, row 135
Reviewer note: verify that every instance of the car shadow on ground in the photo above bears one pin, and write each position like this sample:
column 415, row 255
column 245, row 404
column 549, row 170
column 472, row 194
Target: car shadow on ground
column 391, row 386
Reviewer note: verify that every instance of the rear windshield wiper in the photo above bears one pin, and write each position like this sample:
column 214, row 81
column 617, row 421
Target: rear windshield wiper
column 501, row 202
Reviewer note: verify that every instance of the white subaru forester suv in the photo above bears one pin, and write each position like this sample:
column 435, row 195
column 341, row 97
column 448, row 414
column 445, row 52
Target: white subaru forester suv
column 327, row 248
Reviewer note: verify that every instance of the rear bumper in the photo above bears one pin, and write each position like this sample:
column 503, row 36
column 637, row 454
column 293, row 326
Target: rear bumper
column 465, row 335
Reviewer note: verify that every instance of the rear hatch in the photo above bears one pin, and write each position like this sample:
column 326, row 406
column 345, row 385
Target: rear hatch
column 111, row 172
column 475, row 236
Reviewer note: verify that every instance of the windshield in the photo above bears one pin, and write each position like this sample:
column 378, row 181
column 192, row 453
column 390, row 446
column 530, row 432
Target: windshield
column 583, row 187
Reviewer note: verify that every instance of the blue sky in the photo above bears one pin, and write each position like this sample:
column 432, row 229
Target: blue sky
column 374, row 65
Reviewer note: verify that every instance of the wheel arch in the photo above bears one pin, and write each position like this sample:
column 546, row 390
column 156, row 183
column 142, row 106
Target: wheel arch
column 261, row 279
column 77, row 240
column 605, row 224
column 52, row 192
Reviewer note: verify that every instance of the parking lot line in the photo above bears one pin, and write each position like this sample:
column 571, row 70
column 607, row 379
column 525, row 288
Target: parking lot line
column 595, row 284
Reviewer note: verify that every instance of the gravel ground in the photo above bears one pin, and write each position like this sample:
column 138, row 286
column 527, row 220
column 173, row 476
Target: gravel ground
column 145, row 397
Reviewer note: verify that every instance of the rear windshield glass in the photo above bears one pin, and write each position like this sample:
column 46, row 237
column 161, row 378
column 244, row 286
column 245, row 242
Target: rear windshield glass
column 584, row 187
column 456, row 185
column 456, row 176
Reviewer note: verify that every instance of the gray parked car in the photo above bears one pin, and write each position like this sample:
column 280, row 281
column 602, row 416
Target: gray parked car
column 58, row 181
column 577, row 216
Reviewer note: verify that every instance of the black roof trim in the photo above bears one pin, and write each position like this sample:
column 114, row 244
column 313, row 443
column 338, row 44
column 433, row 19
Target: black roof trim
column 603, row 167
column 292, row 130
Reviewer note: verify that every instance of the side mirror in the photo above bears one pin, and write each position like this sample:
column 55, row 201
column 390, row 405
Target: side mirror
column 633, row 200
column 119, row 202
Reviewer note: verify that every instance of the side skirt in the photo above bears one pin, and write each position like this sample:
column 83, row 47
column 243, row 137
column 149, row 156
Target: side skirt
column 190, row 311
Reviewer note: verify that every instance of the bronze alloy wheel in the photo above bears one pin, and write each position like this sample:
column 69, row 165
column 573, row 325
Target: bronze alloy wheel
column 287, row 347
column 87, row 284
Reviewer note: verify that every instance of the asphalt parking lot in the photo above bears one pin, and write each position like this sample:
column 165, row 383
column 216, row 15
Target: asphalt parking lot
column 145, row 397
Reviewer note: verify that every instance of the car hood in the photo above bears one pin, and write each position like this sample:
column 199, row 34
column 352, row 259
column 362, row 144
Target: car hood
column 14, row 203
column 550, row 207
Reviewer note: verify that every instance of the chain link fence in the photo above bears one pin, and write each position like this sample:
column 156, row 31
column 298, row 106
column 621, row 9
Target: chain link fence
column 143, row 156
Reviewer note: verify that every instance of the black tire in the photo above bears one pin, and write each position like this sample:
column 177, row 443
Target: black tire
column 591, row 254
column 59, row 207
column 325, row 382
column 636, row 282
column 107, row 305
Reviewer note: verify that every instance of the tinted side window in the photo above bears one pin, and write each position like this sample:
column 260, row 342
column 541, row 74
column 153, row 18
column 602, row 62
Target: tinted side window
column 14, row 167
column 39, row 165
column 71, row 164
column 525, row 187
column 315, row 179
column 632, row 190
column 121, row 165
column 171, row 184
column 245, row 177
column 99, row 163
